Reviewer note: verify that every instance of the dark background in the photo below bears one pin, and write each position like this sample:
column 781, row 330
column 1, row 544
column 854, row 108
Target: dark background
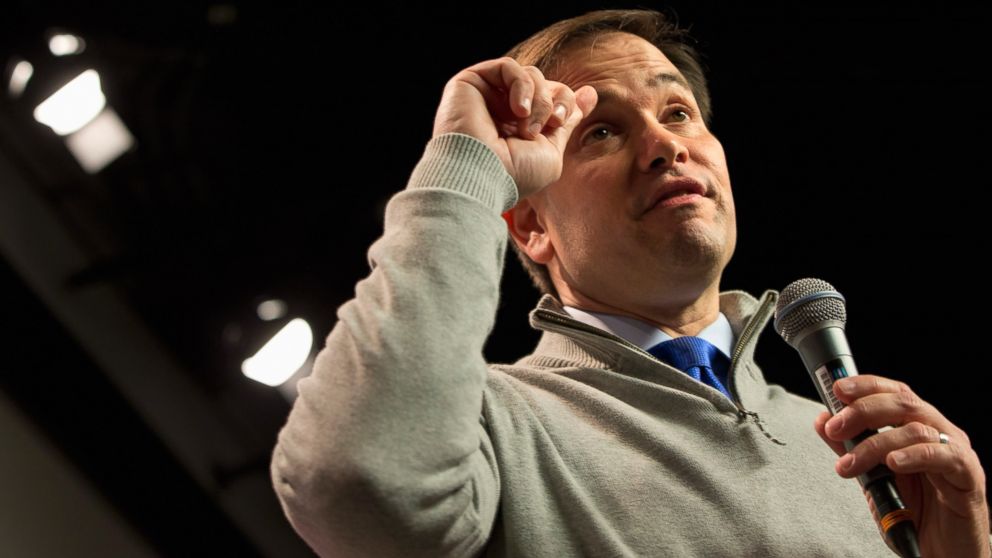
column 271, row 135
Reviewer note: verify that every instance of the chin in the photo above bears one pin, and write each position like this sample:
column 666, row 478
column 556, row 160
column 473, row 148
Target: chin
column 696, row 251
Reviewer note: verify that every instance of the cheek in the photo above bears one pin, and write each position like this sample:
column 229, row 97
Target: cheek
column 583, row 217
column 712, row 158
column 711, row 155
column 584, row 195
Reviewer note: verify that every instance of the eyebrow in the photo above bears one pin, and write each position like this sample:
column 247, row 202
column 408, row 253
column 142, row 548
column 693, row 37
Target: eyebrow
column 666, row 77
column 607, row 96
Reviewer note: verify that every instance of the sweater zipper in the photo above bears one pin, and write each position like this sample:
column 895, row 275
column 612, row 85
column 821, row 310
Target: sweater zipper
column 746, row 335
column 759, row 317
column 575, row 324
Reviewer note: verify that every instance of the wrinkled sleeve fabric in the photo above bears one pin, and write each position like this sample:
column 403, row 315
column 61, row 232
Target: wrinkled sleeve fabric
column 384, row 452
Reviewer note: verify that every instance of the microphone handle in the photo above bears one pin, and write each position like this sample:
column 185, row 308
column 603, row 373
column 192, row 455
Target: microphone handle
column 827, row 357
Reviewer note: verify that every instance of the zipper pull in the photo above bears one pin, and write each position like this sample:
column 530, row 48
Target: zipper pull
column 757, row 420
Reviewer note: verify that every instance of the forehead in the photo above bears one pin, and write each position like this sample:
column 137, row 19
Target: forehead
column 617, row 61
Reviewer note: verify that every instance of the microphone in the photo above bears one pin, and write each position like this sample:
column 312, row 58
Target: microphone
column 810, row 316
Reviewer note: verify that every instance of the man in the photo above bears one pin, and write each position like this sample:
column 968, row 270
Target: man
column 405, row 442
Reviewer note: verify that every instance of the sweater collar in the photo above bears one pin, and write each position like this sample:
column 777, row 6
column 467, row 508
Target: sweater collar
column 646, row 335
column 567, row 342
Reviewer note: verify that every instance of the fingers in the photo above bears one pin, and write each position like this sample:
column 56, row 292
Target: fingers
column 876, row 449
column 954, row 470
column 505, row 74
column 819, row 425
column 911, row 446
column 585, row 102
column 874, row 402
column 542, row 104
column 507, row 87
column 535, row 104
column 850, row 388
column 552, row 104
column 521, row 89
column 957, row 465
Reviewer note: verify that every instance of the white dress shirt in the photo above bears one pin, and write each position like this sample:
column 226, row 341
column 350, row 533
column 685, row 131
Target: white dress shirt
column 645, row 335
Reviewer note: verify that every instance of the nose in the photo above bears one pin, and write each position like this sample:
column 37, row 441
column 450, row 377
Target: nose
column 661, row 149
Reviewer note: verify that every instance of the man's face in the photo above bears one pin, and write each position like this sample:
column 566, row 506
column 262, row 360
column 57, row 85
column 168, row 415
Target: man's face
column 610, row 240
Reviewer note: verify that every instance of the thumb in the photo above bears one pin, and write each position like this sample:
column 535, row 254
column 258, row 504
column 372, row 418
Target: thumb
column 586, row 98
column 585, row 101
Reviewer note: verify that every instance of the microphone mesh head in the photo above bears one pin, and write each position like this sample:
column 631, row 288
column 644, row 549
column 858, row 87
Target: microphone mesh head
column 806, row 302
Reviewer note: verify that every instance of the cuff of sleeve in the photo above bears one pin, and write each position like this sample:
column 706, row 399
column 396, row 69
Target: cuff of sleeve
column 464, row 164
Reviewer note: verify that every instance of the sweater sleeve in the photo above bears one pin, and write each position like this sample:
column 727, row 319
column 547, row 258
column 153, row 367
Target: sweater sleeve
column 384, row 452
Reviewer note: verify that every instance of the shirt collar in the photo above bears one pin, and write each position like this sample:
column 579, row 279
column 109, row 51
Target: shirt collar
column 645, row 335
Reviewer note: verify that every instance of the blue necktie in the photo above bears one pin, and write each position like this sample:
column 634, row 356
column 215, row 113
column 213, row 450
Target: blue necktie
column 696, row 357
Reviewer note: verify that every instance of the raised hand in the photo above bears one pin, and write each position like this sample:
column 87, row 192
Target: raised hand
column 523, row 117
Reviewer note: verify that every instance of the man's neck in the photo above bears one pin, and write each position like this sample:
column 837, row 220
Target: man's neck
column 677, row 318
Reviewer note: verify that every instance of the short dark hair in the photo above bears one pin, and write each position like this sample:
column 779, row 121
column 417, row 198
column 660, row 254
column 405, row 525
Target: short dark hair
column 545, row 50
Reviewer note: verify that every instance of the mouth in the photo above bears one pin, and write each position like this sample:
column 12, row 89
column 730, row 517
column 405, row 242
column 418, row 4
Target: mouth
column 675, row 191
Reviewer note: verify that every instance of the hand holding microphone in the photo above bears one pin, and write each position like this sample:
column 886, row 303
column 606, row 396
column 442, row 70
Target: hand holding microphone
column 938, row 488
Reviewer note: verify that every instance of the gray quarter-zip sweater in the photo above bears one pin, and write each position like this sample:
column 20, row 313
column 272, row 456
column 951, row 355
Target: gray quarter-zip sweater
column 405, row 442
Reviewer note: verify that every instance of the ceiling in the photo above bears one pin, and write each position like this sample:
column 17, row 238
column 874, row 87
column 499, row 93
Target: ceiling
column 270, row 136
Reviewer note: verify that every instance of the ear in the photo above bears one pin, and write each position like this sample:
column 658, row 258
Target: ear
column 527, row 228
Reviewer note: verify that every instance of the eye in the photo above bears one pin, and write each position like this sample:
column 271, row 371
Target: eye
column 597, row 133
column 680, row 115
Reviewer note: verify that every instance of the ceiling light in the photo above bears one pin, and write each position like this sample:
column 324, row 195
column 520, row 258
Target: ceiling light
column 19, row 77
column 271, row 310
column 64, row 44
column 282, row 356
column 73, row 106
